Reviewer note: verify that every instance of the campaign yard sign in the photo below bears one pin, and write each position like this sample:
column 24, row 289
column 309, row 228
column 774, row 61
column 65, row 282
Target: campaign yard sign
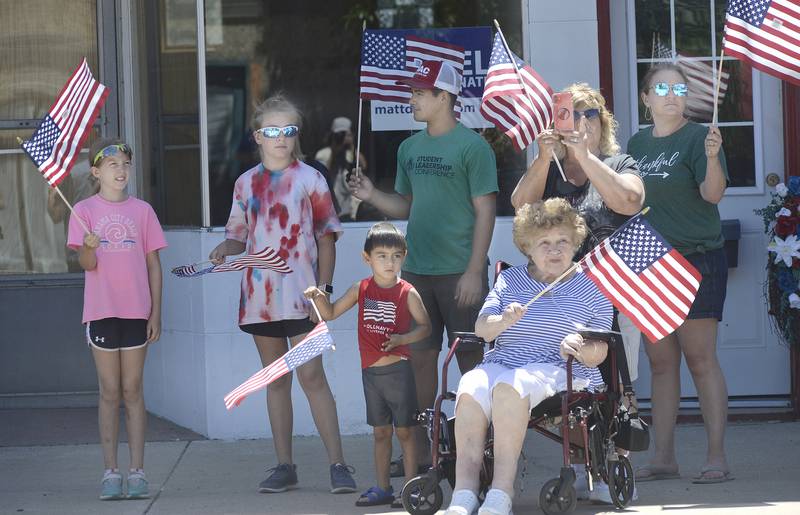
column 477, row 44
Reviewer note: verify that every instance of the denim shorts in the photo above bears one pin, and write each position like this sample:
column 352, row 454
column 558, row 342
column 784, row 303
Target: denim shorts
column 710, row 299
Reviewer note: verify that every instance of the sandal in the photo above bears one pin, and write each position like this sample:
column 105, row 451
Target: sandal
column 376, row 496
column 711, row 475
column 653, row 473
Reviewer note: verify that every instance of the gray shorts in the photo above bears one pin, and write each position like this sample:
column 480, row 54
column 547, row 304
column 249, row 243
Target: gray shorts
column 391, row 395
column 438, row 295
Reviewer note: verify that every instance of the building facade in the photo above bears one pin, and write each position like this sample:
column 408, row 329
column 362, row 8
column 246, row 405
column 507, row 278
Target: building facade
column 185, row 106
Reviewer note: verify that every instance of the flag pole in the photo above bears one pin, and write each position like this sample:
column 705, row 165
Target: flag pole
column 316, row 311
column 360, row 106
column 58, row 190
column 716, row 89
column 524, row 88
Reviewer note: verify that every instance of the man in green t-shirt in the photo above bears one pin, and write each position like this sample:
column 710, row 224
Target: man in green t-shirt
column 446, row 186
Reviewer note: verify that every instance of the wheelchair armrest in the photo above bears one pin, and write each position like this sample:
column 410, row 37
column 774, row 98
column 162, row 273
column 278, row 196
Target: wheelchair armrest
column 469, row 338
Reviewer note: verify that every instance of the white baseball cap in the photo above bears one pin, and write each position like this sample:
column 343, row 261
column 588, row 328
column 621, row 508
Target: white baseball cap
column 341, row 124
column 435, row 74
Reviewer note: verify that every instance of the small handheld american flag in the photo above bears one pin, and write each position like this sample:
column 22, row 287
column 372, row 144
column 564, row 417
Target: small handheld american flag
column 314, row 344
column 58, row 140
column 265, row 259
column 644, row 277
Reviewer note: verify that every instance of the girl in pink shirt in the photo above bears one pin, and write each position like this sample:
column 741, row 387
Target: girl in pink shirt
column 121, row 303
column 285, row 204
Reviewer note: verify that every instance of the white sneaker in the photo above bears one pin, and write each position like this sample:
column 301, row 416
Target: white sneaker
column 601, row 493
column 581, row 482
column 463, row 502
column 497, row 502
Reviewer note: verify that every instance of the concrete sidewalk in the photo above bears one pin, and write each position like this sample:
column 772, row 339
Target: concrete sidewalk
column 220, row 477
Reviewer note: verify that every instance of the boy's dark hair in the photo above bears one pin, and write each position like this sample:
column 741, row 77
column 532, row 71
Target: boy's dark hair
column 102, row 143
column 384, row 234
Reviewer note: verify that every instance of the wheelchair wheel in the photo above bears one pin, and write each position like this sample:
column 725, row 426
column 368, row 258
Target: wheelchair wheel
column 553, row 503
column 417, row 504
column 620, row 481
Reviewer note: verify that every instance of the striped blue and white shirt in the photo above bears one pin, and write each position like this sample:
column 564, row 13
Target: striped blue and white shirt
column 536, row 338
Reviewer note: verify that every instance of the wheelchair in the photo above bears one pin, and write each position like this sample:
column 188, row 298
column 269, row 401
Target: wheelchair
column 604, row 422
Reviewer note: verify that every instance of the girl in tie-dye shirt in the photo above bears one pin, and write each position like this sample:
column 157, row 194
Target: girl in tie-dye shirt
column 285, row 204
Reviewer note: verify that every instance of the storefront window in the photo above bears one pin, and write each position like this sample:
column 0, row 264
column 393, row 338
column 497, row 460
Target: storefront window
column 689, row 32
column 310, row 51
column 33, row 220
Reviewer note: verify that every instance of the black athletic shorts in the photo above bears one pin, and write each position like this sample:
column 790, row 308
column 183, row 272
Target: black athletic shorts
column 391, row 394
column 116, row 333
column 280, row 328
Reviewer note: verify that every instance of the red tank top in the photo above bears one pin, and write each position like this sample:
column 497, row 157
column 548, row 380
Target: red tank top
column 382, row 312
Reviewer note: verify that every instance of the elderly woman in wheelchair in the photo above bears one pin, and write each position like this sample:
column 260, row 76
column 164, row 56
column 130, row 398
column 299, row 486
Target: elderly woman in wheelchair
column 529, row 361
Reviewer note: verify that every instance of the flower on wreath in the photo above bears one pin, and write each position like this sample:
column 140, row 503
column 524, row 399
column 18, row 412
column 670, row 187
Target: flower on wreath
column 794, row 301
column 785, row 248
column 794, row 185
column 781, row 190
column 787, row 281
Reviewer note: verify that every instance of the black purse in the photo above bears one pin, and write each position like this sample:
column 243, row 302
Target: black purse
column 633, row 434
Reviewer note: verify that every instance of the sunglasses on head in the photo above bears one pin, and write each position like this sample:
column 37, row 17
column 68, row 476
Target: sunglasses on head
column 110, row 151
column 289, row 131
column 661, row 89
column 586, row 113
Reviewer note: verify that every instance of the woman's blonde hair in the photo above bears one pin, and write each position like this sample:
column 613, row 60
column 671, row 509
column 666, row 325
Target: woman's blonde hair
column 583, row 94
column 534, row 219
column 279, row 104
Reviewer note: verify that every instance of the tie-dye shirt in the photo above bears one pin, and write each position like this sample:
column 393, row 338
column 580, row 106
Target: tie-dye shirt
column 287, row 211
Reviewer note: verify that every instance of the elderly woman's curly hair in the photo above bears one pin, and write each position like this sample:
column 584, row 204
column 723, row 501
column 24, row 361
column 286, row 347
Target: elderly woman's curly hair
column 584, row 95
column 534, row 219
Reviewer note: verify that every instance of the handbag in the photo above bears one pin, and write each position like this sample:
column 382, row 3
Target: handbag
column 633, row 433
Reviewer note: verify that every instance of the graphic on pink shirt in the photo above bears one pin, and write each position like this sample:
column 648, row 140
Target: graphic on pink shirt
column 287, row 211
column 117, row 232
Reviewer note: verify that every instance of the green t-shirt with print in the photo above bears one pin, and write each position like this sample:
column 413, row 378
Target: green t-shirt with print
column 443, row 174
column 672, row 168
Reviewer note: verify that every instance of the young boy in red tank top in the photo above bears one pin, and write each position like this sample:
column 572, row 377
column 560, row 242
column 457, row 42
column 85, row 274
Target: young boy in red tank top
column 386, row 305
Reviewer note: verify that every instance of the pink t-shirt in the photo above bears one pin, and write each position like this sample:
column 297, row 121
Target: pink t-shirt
column 287, row 211
column 128, row 230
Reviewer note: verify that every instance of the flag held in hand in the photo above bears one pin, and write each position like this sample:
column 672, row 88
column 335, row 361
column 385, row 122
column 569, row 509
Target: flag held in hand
column 315, row 342
column 265, row 259
column 644, row 277
column 58, row 140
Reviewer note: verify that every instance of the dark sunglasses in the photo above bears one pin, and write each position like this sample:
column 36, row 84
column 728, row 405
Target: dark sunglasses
column 290, row 131
column 110, row 151
column 661, row 89
column 587, row 113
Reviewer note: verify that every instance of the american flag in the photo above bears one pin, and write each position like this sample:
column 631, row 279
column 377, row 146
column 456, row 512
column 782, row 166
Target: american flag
column 379, row 311
column 267, row 258
column 315, row 342
column 765, row 34
column 387, row 57
column 701, row 76
column 522, row 110
column 644, row 277
column 55, row 145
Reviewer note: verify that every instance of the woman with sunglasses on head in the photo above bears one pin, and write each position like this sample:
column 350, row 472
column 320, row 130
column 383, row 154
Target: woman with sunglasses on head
column 284, row 204
column 602, row 184
column 685, row 176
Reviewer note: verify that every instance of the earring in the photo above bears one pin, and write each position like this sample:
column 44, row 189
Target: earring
column 647, row 114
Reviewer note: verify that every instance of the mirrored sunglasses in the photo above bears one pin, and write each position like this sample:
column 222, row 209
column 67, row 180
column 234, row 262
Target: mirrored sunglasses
column 289, row 131
column 587, row 113
column 661, row 89
column 110, row 151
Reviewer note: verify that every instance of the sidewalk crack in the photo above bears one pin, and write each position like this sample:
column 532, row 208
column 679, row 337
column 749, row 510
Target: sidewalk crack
column 166, row 480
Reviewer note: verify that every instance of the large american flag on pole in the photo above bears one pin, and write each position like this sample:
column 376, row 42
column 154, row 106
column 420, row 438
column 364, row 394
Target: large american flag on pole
column 315, row 342
column 766, row 34
column 644, row 277
column 521, row 109
column 58, row 140
column 387, row 56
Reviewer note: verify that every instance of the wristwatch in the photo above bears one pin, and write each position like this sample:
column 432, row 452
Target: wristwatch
column 327, row 288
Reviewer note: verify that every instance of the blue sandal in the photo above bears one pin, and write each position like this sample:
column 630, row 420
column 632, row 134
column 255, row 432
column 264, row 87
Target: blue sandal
column 376, row 496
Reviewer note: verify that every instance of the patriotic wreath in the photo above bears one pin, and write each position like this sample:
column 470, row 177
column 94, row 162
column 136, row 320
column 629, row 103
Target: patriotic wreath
column 782, row 289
